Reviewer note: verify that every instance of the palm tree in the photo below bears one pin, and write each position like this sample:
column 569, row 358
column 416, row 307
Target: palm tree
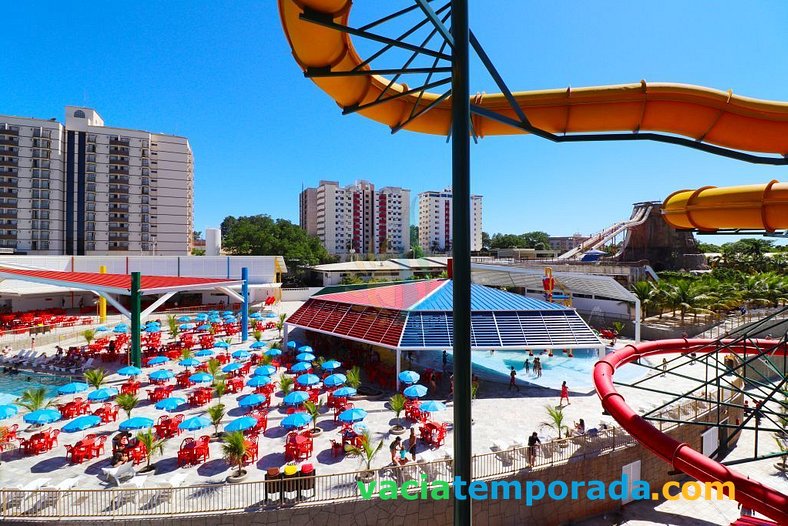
column 152, row 445
column 174, row 326
column 216, row 414
column 556, row 416
column 127, row 402
column 34, row 399
column 220, row 386
column 366, row 451
column 215, row 370
column 95, row 377
column 257, row 335
column 646, row 293
column 265, row 360
column 89, row 335
column 186, row 354
column 314, row 411
column 397, row 405
column 354, row 377
column 281, row 323
column 234, row 450
column 286, row 384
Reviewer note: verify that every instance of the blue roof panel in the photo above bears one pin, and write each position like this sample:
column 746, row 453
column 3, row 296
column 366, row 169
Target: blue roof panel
column 484, row 299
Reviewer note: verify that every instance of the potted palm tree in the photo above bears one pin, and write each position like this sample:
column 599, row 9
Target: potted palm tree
column 314, row 411
column 174, row 326
column 257, row 335
column 127, row 402
column 215, row 369
column 89, row 335
column 95, row 377
column 286, row 384
column 280, row 324
column 34, row 399
column 152, row 445
column 220, row 387
column 397, row 405
column 186, row 354
column 216, row 414
column 234, row 450
column 366, row 452
column 354, row 377
column 556, row 421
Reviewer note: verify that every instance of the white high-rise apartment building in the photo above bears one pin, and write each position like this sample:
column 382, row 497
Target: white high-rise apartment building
column 357, row 218
column 84, row 188
column 435, row 230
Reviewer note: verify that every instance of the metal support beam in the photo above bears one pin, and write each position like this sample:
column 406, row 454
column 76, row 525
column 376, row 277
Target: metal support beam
column 136, row 307
column 399, row 366
column 155, row 305
column 461, row 252
column 112, row 301
column 230, row 292
column 245, row 304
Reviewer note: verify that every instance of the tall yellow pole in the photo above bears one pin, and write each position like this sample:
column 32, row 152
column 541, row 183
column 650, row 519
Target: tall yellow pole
column 102, row 304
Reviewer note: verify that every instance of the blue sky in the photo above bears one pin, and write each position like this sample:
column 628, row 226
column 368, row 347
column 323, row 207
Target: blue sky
column 221, row 73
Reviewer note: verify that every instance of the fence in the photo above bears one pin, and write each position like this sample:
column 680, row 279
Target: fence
column 45, row 335
column 732, row 323
column 166, row 500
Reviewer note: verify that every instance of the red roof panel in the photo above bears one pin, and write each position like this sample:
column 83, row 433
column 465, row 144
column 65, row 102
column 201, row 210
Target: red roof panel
column 400, row 297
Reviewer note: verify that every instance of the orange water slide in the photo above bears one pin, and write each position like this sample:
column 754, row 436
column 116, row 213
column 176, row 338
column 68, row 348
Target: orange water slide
column 703, row 114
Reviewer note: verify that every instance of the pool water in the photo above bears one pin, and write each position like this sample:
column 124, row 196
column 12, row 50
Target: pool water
column 576, row 371
column 13, row 385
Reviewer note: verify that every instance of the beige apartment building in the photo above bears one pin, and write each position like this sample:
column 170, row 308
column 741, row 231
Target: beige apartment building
column 435, row 230
column 83, row 188
column 357, row 218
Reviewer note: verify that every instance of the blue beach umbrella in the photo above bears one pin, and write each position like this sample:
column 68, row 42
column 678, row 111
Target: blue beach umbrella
column 409, row 377
column 120, row 329
column 292, row 344
column 305, row 348
column 42, row 416
column 204, row 352
column 259, row 381
column 81, row 423
column 352, row 415
column 204, row 327
column 184, row 319
column 190, row 362
column 301, row 367
column 170, row 404
column 296, row 420
column 152, row 328
column 255, row 315
column 230, row 367
column 200, row 378
column 330, row 365
column 194, row 423
column 258, row 345
column 158, row 360
column 241, row 424
column 162, row 374
column 308, row 379
column 72, row 388
column 241, row 354
column 101, row 328
column 105, row 393
column 273, row 353
column 9, row 410
column 138, row 422
column 305, row 357
column 334, row 380
column 344, row 392
column 186, row 326
column 201, row 317
column 296, row 398
column 227, row 313
column 130, row 371
column 221, row 345
column 265, row 370
column 432, row 406
column 415, row 391
column 252, row 400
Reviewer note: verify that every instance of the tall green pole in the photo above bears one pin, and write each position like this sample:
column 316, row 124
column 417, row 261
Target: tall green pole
column 461, row 252
column 136, row 309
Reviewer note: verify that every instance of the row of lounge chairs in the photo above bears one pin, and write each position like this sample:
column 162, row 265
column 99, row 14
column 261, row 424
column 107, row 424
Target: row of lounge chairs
column 30, row 359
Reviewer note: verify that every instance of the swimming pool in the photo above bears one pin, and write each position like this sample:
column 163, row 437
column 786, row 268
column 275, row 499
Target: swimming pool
column 576, row 371
column 13, row 385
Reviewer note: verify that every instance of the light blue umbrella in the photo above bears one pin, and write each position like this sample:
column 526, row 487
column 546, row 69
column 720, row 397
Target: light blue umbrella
column 42, row 416
column 105, row 393
column 273, row 353
column 170, row 404
column 258, row 345
column 241, row 424
column 194, row 423
column 292, row 344
column 186, row 326
column 431, row 406
column 252, row 400
column 72, row 388
column 221, row 345
column 200, row 378
column 101, row 328
column 352, row 415
column 334, row 380
column 152, row 328
column 81, row 423
column 409, row 377
column 120, row 330
column 305, row 357
column 241, row 354
column 190, row 362
column 308, row 379
column 184, row 319
column 138, row 422
column 9, row 410
column 201, row 317
column 301, row 367
column 265, row 370
column 204, row 327
column 415, row 391
column 344, row 392
column 230, row 367
column 157, row 360
column 130, row 371
column 296, row 420
column 296, row 398
column 162, row 374
column 255, row 315
column 330, row 365
column 204, row 352
column 305, row 348
column 227, row 313
column 259, row 381
column 270, row 314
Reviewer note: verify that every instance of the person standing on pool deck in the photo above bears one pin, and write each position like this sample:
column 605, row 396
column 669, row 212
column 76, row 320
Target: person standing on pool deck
column 527, row 366
column 564, row 394
column 445, row 359
column 513, row 380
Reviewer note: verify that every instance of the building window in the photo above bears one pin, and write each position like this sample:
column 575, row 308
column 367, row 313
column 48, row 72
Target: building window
column 79, row 114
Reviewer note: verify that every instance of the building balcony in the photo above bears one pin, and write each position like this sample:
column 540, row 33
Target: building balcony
column 9, row 151
column 117, row 141
column 10, row 191
column 122, row 247
column 9, row 141
column 7, row 236
column 9, row 131
column 124, row 161
column 7, row 214
column 118, row 227
column 8, row 184
column 118, row 198
column 119, row 237
column 114, row 207
column 118, row 189
column 119, row 179
column 119, row 170
column 11, row 162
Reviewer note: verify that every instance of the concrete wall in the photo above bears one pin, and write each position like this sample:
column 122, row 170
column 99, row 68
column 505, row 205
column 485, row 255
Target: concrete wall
column 300, row 294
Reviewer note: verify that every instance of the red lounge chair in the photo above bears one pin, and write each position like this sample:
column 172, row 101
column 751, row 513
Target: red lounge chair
column 186, row 452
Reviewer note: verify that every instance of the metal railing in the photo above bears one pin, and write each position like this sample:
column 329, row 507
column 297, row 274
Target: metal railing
column 21, row 338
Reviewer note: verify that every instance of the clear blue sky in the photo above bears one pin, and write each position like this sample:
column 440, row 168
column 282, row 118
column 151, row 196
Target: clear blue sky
column 221, row 73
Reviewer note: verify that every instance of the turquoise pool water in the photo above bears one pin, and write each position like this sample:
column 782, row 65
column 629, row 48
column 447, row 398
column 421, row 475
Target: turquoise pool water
column 13, row 385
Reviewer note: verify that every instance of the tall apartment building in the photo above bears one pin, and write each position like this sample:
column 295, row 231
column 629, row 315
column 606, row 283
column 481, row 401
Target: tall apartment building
column 435, row 230
column 83, row 188
column 357, row 217
column 563, row 244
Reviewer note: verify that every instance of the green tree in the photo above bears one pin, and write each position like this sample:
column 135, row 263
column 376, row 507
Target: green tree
column 414, row 235
column 280, row 324
column 234, row 450
column 366, row 451
column 646, row 292
column 486, row 241
column 216, row 414
column 314, row 411
column 397, row 405
column 286, row 384
column 354, row 377
column 152, row 445
column 174, row 325
column 34, row 399
column 95, row 377
column 89, row 335
column 556, row 420
column 127, row 402
column 261, row 235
